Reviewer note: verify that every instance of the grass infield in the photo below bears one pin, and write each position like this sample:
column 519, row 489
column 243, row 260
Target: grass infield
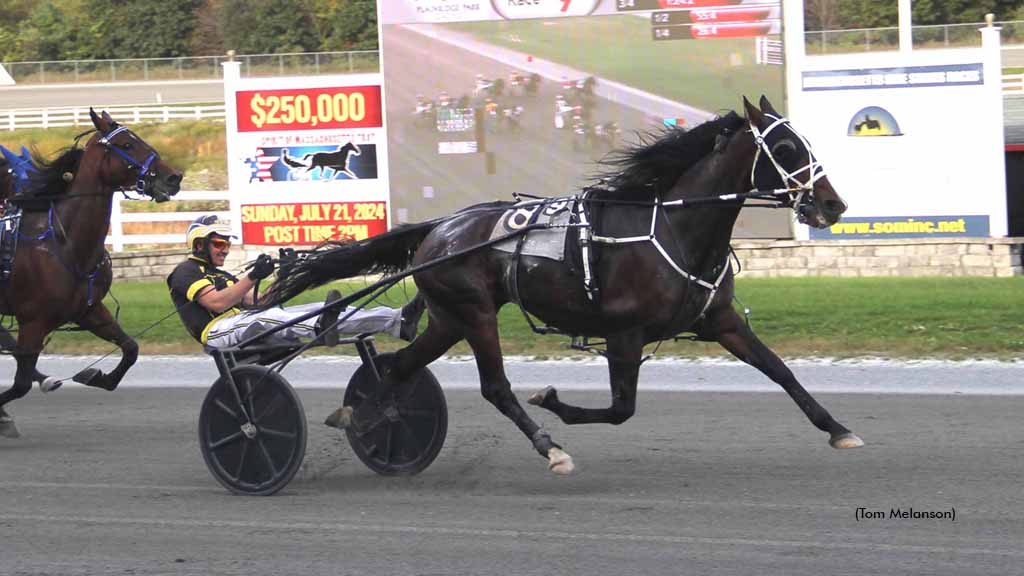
column 954, row 318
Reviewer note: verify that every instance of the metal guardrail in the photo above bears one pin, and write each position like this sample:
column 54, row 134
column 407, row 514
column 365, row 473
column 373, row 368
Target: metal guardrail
column 15, row 119
column 191, row 68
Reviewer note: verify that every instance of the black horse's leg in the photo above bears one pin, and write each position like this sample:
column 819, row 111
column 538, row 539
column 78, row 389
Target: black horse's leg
column 482, row 334
column 30, row 344
column 734, row 335
column 424, row 349
column 100, row 322
column 624, row 354
column 7, row 342
column 439, row 336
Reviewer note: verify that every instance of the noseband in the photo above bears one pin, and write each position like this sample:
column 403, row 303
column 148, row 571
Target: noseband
column 143, row 167
column 800, row 193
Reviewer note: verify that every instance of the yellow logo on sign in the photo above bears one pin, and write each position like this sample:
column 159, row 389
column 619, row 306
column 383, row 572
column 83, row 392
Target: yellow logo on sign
column 873, row 121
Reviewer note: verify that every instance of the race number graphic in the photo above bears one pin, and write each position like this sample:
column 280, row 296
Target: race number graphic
column 515, row 9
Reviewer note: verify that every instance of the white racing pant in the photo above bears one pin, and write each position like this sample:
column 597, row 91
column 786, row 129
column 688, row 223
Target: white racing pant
column 231, row 330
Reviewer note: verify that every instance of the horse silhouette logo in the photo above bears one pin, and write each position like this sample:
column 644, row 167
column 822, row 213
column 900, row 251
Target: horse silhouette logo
column 337, row 161
column 873, row 121
column 320, row 163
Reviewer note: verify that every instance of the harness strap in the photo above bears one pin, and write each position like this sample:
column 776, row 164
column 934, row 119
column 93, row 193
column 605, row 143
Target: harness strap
column 143, row 167
column 70, row 267
column 652, row 237
column 585, row 234
column 514, row 272
column 814, row 169
column 9, row 243
column 49, row 229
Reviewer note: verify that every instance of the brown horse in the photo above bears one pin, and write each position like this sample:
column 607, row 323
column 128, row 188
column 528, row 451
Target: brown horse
column 61, row 269
column 8, row 189
column 661, row 225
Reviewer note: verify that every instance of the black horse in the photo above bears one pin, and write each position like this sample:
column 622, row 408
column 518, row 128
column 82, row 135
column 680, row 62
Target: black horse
column 61, row 269
column 661, row 269
column 337, row 160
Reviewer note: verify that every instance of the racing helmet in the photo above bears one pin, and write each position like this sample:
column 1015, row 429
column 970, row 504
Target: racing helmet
column 203, row 226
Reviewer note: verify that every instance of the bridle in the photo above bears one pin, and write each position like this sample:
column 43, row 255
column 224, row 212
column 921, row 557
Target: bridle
column 145, row 177
column 801, row 193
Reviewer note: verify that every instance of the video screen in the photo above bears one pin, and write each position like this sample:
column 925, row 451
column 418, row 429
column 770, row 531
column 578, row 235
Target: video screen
column 484, row 101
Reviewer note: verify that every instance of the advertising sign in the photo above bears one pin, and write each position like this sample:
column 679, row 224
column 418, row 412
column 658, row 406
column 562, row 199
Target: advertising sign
column 911, row 139
column 307, row 157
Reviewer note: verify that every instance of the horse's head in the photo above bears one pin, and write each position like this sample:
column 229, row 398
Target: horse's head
column 784, row 156
column 131, row 163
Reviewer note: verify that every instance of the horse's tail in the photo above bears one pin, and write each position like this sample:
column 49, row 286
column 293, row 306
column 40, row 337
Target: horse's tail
column 387, row 253
column 308, row 155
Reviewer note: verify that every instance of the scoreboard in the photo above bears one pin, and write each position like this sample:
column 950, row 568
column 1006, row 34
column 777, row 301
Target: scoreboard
column 685, row 19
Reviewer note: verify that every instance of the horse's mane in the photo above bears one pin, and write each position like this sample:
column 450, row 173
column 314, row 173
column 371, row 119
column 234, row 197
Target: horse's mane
column 48, row 179
column 649, row 169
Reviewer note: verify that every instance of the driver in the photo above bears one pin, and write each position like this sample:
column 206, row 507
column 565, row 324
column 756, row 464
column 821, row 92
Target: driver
column 209, row 299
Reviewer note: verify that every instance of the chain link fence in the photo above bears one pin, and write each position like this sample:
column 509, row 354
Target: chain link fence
column 192, row 68
column 924, row 37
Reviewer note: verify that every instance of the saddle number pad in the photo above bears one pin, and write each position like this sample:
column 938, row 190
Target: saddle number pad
column 546, row 243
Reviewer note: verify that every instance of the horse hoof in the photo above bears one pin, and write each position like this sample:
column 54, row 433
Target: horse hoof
column 539, row 398
column 7, row 427
column 50, row 384
column 559, row 462
column 340, row 418
column 848, row 440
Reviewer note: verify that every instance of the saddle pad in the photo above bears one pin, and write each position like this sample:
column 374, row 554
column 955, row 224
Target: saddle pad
column 10, row 223
column 546, row 243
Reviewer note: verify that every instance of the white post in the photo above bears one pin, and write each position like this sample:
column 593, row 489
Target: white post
column 906, row 22
column 794, row 54
column 232, row 76
column 385, row 166
column 991, row 50
column 116, row 225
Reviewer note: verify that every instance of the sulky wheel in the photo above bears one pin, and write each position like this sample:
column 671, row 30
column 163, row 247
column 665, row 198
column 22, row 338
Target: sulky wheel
column 405, row 434
column 258, row 457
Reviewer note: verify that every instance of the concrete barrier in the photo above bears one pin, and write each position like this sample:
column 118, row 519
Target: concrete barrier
column 994, row 257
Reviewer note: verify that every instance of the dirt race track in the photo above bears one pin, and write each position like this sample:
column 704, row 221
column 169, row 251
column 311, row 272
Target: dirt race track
column 695, row 483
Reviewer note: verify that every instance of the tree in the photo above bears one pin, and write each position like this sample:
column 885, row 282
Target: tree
column 208, row 35
column 350, row 25
column 141, row 28
column 12, row 16
column 268, row 26
column 44, row 34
